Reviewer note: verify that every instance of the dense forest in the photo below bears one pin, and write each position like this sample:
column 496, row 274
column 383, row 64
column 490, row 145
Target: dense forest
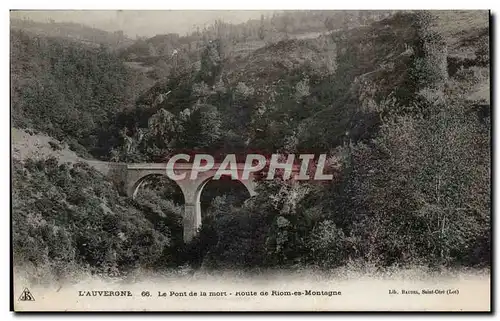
column 392, row 100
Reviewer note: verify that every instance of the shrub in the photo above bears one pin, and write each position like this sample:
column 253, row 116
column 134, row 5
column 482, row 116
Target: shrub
column 429, row 67
column 328, row 245
column 71, row 215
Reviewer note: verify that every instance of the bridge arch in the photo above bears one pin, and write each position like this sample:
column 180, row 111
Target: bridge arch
column 168, row 184
column 140, row 183
column 236, row 189
column 191, row 190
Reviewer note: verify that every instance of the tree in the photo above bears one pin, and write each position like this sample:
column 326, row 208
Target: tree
column 163, row 128
column 203, row 129
column 262, row 30
column 286, row 22
column 329, row 23
column 211, row 62
column 429, row 68
column 420, row 191
column 152, row 50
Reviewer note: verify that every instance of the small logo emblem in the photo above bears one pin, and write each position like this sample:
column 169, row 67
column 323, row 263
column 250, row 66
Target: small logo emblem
column 26, row 296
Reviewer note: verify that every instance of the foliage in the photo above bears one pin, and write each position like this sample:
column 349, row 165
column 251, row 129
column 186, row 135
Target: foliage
column 420, row 191
column 410, row 154
column 430, row 64
column 66, row 89
column 69, row 215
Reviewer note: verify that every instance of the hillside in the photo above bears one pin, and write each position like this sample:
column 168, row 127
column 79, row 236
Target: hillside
column 68, row 90
column 155, row 55
column 400, row 105
column 359, row 68
column 76, row 32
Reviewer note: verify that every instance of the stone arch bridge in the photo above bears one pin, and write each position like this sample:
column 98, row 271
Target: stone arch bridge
column 129, row 178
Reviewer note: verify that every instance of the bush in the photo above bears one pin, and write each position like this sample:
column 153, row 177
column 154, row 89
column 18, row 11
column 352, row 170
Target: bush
column 71, row 215
column 429, row 67
column 329, row 246
column 420, row 190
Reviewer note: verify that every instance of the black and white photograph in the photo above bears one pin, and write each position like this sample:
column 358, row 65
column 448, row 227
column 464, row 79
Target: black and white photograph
column 251, row 160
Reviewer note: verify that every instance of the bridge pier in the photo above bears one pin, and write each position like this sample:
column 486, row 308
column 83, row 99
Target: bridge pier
column 191, row 220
